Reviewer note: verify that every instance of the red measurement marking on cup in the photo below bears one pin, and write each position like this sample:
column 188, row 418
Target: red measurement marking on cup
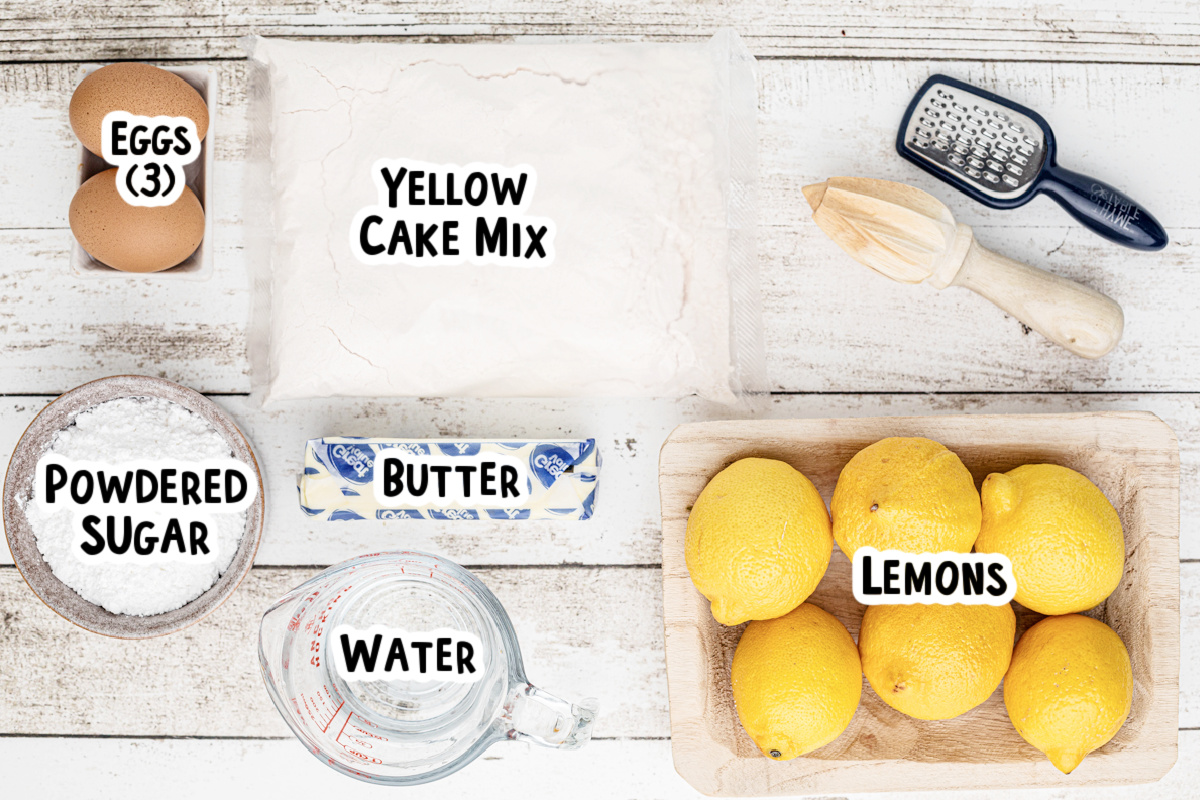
column 318, row 708
column 360, row 732
column 294, row 624
column 324, row 616
column 316, row 626
column 355, row 745
column 338, row 738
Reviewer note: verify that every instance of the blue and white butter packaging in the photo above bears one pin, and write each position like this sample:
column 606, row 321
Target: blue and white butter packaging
column 348, row 477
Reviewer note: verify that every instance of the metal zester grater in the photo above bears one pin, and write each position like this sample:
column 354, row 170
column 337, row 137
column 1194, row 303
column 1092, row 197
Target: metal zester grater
column 1002, row 154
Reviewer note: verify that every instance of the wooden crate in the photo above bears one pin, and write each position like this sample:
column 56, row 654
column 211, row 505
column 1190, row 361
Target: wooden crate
column 1132, row 456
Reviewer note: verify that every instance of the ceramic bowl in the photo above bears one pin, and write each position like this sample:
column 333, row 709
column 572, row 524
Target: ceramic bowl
column 18, row 485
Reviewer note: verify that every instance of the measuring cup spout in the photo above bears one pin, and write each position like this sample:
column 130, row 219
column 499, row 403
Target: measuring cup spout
column 532, row 715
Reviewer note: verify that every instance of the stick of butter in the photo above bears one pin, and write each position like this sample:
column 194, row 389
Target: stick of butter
column 348, row 477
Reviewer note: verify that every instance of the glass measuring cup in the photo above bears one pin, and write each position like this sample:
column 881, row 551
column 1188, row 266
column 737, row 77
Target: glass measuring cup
column 405, row 727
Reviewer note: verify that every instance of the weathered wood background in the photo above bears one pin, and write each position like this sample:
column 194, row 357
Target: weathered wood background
column 86, row 717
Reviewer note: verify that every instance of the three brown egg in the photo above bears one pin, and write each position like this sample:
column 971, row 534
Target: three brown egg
column 125, row 237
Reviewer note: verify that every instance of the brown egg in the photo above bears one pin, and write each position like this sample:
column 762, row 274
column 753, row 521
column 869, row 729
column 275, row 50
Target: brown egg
column 134, row 238
column 141, row 89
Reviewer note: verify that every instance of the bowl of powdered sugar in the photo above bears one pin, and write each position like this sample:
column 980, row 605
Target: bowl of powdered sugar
column 125, row 429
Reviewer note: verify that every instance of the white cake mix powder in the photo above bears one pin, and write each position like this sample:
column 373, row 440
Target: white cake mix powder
column 124, row 430
column 644, row 160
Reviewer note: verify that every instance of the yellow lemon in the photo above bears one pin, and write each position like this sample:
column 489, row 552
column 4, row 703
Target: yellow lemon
column 1069, row 687
column 796, row 681
column 1062, row 535
column 936, row 662
column 758, row 540
column 907, row 494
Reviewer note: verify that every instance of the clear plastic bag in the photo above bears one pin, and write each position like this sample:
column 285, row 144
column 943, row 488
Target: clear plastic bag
column 642, row 155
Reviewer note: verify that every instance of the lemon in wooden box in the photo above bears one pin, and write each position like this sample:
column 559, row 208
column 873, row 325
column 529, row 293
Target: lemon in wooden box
column 905, row 493
column 1069, row 688
column 758, row 540
column 936, row 661
column 796, row 681
column 1062, row 535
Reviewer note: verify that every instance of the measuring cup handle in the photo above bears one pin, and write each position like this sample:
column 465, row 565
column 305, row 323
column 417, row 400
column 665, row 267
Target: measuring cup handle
column 532, row 715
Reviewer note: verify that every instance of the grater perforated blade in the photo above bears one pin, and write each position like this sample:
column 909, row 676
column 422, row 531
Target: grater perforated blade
column 997, row 149
column 1003, row 154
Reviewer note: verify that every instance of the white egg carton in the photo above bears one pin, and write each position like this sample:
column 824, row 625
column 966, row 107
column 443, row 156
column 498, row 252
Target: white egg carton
column 199, row 265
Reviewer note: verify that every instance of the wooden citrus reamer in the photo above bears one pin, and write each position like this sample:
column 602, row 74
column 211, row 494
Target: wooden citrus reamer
column 910, row 236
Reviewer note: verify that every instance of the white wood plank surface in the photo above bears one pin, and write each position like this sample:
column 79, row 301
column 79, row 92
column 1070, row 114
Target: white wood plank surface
column 830, row 324
column 1117, row 81
column 1103, row 30
column 118, row 769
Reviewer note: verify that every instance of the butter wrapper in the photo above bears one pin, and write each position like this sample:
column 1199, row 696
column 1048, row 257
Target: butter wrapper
column 347, row 477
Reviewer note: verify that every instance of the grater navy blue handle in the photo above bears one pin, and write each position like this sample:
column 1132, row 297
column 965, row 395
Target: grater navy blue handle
column 1108, row 212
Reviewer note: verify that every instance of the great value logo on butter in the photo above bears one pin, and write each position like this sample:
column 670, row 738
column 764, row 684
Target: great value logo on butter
column 144, row 511
column 445, row 214
column 549, row 462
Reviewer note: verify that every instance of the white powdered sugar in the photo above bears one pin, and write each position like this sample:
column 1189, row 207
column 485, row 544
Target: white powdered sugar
column 125, row 430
